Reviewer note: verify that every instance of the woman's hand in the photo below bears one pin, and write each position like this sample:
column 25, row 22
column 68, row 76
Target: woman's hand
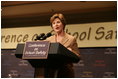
column 69, row 49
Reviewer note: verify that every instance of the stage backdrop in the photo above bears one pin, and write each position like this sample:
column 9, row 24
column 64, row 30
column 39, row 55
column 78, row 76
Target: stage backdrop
column 95, row 63
column 102, row 34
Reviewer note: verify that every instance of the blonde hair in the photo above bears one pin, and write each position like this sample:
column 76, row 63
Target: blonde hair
column 60, row 16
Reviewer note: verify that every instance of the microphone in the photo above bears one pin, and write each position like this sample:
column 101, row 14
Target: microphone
column 48, row 34
column 40, row 36
column 43, row 36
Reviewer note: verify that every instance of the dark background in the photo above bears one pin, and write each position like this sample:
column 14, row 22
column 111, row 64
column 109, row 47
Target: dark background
column 95, row 63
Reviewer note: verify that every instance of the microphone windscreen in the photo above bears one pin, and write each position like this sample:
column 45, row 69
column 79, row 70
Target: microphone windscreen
column 44, row 37
column 48, row 34
column 42, row 34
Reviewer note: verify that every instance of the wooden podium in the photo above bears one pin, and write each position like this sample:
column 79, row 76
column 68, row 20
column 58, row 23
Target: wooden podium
column 57, row 54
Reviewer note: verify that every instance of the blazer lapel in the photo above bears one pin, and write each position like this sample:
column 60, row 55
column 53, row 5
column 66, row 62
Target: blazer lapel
column 65, row 39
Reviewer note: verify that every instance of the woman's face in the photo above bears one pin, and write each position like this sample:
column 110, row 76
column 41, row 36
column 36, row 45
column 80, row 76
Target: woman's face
column 57, row 25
